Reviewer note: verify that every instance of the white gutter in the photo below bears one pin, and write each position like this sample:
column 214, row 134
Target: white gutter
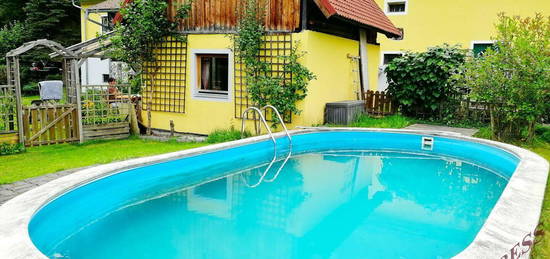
column 364, row 60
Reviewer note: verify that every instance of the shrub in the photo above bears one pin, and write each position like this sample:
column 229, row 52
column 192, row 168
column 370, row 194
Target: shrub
column 422, row 81
column 10, row 149
column 30, row 89
column 514, row 76
column 220, row 136
column 3, row 75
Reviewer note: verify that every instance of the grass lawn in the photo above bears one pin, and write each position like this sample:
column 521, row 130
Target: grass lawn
column 50, row 159
column 26, row 100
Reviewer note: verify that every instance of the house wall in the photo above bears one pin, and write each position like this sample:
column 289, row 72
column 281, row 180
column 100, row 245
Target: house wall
column 94, row 68
column 433, row 22
column 326, row 56
column 429, row 23
column 222, row 15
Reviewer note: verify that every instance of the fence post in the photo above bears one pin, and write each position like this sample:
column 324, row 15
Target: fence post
column 75, row 81
column 19, row 106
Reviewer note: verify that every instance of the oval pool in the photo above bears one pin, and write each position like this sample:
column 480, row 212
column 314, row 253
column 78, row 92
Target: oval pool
column 341, row 195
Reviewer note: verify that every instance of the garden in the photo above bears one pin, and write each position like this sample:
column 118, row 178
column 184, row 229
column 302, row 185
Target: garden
column 504, row 92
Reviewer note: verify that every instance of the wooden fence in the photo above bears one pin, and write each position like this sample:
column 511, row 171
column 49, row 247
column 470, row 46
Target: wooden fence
column 379, row 103
column 118, row 130
column 47, row 125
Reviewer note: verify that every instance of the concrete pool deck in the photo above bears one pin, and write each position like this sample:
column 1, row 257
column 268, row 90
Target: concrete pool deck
column 512, row 220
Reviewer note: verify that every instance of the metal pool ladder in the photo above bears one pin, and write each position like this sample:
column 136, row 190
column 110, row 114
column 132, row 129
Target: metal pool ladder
column 263, row 120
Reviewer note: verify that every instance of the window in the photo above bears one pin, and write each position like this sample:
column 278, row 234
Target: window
column 212, row 71
column 213, row 74
column 480, row 47
column 388, row 57
column 107, row 22
column 396, row 7
column 106, row 78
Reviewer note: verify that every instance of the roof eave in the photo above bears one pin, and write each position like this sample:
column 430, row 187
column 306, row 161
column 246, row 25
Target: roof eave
column 388, row 34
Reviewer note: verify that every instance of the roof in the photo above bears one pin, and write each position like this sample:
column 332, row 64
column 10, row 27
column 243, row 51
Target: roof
column 364, row 12
column 91, row 48
column 106, row 5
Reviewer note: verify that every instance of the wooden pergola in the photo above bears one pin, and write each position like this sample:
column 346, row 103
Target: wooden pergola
column 72, row 92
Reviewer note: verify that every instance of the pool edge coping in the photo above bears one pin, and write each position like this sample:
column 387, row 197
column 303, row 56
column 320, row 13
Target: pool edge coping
column 501, row 231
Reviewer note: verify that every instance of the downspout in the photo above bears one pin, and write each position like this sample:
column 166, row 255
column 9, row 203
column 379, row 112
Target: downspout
column 364, row 61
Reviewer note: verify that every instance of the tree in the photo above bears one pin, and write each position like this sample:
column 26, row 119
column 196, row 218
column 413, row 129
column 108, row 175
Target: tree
column 55, row 20
column 514, row 77
column 11, row 11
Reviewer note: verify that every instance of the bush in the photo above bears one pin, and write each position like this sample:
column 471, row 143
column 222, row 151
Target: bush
column 513, row 77
column 30, row 89
column 422, row 82
column 543, row 132
column 220, row 136
column 10, row 149
column 3, row 75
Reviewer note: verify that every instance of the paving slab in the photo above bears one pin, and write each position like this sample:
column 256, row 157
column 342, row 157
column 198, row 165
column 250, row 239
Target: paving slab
column 11, row 190
column 464, row 131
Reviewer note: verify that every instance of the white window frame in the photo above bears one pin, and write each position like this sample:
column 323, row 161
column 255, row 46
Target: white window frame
column 196, row 94
column 383, row 53
column 387, row 7
column 474, row 42
column 103, row 28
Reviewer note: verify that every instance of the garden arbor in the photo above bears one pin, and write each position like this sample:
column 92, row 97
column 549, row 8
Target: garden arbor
column 54, row 123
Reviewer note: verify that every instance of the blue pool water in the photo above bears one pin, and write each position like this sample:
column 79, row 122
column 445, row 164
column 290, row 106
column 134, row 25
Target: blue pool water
column 363, row 196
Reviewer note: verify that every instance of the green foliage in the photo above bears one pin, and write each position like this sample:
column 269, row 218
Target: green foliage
column 3, row 75
column 543, row 132
column 10, row 11
column 264, row 87
column 10, row 149
column 514, row 77
column 220, row 136
column 30, row 88
column 12, row 36
column 55, row 20
column 421, row 82
column 394, row 122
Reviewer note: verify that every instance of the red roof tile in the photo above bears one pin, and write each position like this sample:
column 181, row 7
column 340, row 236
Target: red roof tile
column 365, row 12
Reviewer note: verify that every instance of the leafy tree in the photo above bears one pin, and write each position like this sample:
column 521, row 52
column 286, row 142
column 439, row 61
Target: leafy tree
column 12, row 36
column 55, row 20
column 514, row 77
column 11, row 11
column 422, row 81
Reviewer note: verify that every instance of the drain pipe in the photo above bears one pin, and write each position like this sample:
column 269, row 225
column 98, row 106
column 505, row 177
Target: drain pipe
column 364, row 60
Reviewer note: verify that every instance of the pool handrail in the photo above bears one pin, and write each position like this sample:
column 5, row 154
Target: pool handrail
column 262, row 118
column 289, row 141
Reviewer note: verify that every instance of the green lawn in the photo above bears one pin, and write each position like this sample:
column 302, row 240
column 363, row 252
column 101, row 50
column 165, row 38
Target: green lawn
column 26, row 100
column 50, row 159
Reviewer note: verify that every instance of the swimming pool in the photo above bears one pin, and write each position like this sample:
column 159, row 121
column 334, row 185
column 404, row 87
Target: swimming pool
column 343, row 194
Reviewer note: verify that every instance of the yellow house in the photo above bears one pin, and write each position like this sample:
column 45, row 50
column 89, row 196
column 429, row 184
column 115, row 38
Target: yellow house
column 96, row 19
column 340, row 39
column 427, row 23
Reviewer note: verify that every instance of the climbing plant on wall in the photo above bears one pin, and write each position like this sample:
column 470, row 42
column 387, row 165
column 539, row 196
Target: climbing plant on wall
column 263, row 86
column 144, row 25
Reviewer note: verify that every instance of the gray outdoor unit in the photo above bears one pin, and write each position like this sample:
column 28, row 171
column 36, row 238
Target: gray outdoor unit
column 343, row 113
